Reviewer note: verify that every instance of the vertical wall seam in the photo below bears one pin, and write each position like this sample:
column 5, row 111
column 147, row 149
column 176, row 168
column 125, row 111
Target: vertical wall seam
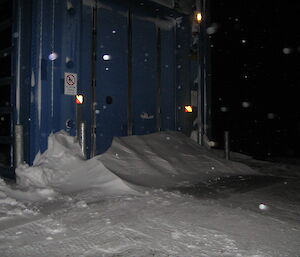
column 130, row 85
column 39, row 89
column 158, row 71
column 52, row 63
column 18, row 78
column 94, row 70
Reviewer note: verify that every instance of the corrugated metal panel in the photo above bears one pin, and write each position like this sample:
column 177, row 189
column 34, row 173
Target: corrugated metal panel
column 55, row 29
column 145, row 77
column 112, row 74
column 142, row 63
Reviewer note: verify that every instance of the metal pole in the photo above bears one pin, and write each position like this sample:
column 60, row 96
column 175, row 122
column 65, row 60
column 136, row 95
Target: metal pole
column 19, row 145
column 200, row 80
column 82, row 138
column 226, row 145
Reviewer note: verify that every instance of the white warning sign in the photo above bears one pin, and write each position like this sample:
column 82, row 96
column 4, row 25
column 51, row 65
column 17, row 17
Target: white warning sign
column 70, row 83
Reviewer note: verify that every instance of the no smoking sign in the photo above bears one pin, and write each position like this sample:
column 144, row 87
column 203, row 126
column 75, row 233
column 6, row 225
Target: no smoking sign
column 70, row 83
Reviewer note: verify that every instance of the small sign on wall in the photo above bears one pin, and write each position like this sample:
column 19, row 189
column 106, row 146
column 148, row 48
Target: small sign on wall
column 70, row 83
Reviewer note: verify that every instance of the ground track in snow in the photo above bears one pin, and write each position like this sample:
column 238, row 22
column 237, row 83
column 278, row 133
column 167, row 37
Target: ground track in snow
column 158, row 224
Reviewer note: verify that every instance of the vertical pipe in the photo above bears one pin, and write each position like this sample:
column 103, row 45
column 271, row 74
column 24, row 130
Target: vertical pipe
column 200, row 88
column 226, row 145
column 19, row 145
column 82, row 138
column 207, row 125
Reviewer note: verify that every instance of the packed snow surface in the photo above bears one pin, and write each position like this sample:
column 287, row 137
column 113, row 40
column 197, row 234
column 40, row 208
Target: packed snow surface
column 153, row 195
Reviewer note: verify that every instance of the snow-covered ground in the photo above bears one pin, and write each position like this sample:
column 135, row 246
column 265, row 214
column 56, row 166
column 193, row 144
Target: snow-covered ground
column 154, row 195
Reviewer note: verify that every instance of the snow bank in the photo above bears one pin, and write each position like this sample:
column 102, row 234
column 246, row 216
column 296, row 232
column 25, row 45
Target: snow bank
column 166, row 159
column 63, row 168
column 161, row 160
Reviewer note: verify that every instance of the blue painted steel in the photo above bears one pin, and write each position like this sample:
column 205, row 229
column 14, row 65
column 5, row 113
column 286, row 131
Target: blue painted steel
column 68, row 33
column 67, row 24
column 144, row 74
column 168, row 76
column 85, row 78
column 33, row 117
column 112, row 74
column 44, row 83
column 53, row 30
column 183, row 79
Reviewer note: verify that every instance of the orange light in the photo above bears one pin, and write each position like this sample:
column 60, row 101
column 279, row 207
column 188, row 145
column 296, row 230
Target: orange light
column 188, row 108
column 198, row 17
column 79, row 99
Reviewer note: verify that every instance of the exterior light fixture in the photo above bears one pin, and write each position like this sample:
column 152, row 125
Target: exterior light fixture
column 79, row 99
column 188, row 108
column 198, row 17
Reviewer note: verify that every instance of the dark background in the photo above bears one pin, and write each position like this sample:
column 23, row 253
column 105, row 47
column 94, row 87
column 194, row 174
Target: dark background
column 255, row 68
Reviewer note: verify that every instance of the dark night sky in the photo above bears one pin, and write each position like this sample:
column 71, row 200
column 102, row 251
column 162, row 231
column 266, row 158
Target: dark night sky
column 255, row 48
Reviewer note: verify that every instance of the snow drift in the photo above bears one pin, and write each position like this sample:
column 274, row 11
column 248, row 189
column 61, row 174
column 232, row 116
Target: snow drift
column 63, row 168
column 159, row 160
column 166, row 159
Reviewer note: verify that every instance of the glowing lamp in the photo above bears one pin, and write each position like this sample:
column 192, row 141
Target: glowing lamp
column 188, row 108
column 79, row 99
column 198, row 17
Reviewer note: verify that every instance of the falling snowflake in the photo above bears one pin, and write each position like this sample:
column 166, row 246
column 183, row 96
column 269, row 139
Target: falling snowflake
column 287, row 50
column 106, row 57
column 212, row 29
column 246, row 104
column 263, row 207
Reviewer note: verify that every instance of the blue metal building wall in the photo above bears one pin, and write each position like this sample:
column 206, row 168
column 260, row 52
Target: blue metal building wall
column 66, row 28
column 145, row 77
column 112, row 74
column 183, row 73
column 55, row 29
column 168, row 77
column 85, row 75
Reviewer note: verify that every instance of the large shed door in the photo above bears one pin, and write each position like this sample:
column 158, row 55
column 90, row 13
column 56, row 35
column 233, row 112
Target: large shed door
column 145, row 76
column 134, row 73
column 112, row 74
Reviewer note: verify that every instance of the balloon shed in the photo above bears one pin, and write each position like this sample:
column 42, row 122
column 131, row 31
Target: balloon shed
column 100, row 69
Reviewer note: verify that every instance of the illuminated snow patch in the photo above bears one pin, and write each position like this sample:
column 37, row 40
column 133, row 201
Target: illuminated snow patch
column 263, row 207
